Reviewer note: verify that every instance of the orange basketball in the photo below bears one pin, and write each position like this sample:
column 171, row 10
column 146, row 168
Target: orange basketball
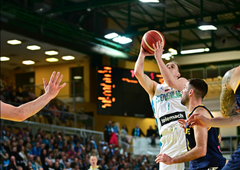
column 150, row 38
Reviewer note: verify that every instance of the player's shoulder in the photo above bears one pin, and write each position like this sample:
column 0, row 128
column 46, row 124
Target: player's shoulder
column 203, row 111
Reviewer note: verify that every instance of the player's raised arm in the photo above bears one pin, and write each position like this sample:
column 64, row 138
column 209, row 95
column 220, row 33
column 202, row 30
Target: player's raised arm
column 170, row 72
column 148, row 84
column 24, row 111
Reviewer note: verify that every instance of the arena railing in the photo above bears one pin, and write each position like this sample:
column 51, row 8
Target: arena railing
column 67, row 131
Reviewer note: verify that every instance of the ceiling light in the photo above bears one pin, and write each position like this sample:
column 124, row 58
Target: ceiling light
column 122, row 40
column 14, row 42
column 173, row 51
column 68, row 57
column 200, row 50
column 77, row 77
column 149, row 1
column 111, row 35
column 52, row 59
column 3, row 58
column 167, row 56
column 52, row 52
column 33, row 47
column 28, row 62
column 207, row 27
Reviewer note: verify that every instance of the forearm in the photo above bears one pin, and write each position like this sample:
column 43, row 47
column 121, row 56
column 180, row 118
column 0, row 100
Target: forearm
column 139, row 66
column 224, row 122
column 189, row 156
column 167, row 76
column 24, row 111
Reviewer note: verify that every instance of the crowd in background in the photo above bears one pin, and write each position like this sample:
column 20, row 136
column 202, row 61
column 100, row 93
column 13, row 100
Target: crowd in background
column 20, row 149
column 112, row 133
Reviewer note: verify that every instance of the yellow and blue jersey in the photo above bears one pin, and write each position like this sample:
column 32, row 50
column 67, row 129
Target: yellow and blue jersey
column 213, row 157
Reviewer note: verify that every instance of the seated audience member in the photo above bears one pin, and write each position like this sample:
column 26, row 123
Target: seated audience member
column 12, row 164
column 6, row 160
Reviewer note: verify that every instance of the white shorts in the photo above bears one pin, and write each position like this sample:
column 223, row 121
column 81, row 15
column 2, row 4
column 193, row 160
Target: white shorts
column 173, row 144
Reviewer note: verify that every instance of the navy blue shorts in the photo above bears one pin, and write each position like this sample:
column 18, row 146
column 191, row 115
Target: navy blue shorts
column 234, row 162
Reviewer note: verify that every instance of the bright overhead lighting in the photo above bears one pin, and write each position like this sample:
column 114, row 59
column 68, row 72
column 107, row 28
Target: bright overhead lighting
column 122, row 40
column 33, row 47
column 52, row 59
column 200, row 50
column 173, row 51
column 28, row 62
column 14, row 42
column 77, row 77
column 68, row 57
column 207, row 27
column 145, row 1
column 167, row 56
column 3, row 58
column 52, row 52
column 111, row 35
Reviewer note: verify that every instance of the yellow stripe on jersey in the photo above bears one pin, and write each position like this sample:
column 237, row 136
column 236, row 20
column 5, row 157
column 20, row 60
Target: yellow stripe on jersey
column 238, row 84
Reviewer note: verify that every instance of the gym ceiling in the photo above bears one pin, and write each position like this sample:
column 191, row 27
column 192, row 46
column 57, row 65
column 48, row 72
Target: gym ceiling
column 80, row 25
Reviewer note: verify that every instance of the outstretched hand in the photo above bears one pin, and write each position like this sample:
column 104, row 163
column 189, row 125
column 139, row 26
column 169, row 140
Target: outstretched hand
column 158, row 49
column 199, row 120
column 53, row 88
column 164, row 158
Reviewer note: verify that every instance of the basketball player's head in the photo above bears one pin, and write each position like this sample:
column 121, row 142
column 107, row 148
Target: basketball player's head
column 174, row 69
column 194, row 88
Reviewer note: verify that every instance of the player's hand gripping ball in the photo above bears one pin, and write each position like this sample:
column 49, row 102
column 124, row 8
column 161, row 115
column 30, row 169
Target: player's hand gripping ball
column 152, row 37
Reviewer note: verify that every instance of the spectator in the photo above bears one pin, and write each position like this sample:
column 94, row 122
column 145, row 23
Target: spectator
column 12, row 164
column 38, row 162
column 71, row 141
column 93, row 142
column 115, row 128
column 77, row 148
column 56, row 166
column 6, row 161
column 20, row 144
column 23, row 154
column 123, row 133
column 68, row 166
column 18, row 159
column 150, row 132
column 33, row 163
column 93, row 161
column 49, row 165
column 45, row 140
column 36, row 150
column 74, row 163
column 28, row 129
column 107, row 131
column 20, row 132
column 137, row 132
column 43, row 156
column 81, row 165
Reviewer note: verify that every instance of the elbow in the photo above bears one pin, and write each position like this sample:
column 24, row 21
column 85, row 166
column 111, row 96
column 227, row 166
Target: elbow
column 137, row 73
column 202, row 152
column 20, row 115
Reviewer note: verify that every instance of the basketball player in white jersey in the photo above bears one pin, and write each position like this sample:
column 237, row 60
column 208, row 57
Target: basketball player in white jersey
column 166, row 104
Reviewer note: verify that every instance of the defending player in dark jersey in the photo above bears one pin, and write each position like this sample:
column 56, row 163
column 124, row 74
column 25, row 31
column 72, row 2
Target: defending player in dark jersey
column 199, row 138
column 213, row 157
column 230, row 95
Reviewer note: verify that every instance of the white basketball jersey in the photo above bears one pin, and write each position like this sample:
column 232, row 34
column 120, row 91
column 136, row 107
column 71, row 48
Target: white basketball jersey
column 167, row 107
